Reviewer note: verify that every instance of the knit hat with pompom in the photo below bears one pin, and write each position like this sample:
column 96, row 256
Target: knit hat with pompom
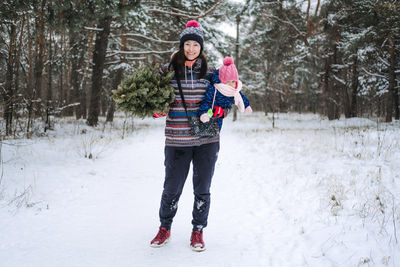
column 228, row 71
column 193, row 32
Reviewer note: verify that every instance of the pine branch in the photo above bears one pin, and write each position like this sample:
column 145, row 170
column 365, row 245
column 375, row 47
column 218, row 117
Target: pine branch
column 374, row 74
column 384, row 61
column 339, row 80
column 118, row 52
column 148, row 38
column 293, row 27
column 180, row 13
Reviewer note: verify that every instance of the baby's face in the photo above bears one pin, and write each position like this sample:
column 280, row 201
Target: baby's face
column 231, row 83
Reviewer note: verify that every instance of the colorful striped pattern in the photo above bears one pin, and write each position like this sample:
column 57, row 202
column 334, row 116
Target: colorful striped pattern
column 177, row 129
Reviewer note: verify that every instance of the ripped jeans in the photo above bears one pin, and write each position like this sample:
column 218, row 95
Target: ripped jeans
column 177, row 164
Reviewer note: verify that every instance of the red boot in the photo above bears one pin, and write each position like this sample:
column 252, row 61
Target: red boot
column 196, row 241
column 161, row 238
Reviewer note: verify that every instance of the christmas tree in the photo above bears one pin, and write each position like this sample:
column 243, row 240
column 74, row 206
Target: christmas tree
column 145, row 92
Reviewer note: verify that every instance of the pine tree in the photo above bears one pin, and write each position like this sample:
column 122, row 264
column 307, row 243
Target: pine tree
column 145, row 92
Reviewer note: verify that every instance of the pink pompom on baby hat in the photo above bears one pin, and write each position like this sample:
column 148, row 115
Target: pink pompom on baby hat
column 228, row 71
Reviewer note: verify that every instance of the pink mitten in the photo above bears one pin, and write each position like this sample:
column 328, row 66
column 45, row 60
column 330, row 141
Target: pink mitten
column 204, row 117
column 248, row 110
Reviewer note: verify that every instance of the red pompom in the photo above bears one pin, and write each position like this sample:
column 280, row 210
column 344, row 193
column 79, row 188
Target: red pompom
column 228, row 61
column 192, row 23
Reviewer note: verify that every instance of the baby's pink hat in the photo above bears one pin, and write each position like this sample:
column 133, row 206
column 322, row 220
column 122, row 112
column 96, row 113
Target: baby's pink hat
column 228, row 71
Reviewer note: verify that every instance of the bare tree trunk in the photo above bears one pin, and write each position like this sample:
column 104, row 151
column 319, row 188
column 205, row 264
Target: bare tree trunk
column 40, row 24
column 103, row 102
column 69, row 111
column 346, row 102
column 328, row 94
column 99, row 55
column 63, row 76
column 391, row 98
column 396, row 104
column 236, row 58
column 84, row 101
column 337, row 87
column 49, row 85
column 76, row 55
column 83, row 83
column 354, row 87
column 111, row 107
column 8, row 95
column 29, row 84
column 18, row 56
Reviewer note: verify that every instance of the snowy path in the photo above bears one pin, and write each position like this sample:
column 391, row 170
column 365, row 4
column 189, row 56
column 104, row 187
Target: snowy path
column 271, row 202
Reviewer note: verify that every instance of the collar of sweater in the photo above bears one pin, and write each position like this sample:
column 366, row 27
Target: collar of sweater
column 190, row 63
column 193, row 64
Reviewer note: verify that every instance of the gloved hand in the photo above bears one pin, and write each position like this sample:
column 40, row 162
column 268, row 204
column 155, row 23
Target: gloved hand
column 219, row 112
column 204, row 117
column 248, row 110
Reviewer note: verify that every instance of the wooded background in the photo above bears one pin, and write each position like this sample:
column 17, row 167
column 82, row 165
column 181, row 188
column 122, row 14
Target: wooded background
column 63, row 58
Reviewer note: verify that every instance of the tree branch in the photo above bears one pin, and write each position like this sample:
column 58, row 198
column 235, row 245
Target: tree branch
column 384, row 61
column 374, row 74
column 339, row 80
column 118, row 52
column 316, row 9
column 148, row 38
column 180, row 13
column 293, row 27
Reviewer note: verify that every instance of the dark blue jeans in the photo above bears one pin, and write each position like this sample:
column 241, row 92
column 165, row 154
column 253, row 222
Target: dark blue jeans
column 177, row 164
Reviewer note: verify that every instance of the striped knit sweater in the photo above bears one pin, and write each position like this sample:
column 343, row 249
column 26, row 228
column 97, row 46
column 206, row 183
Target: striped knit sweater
column 177, row 129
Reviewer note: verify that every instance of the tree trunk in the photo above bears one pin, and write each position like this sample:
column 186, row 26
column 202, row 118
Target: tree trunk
column 391, row 95
column 103, row 102
column 40, row 25
column 99, row 56
column 236, row 58
column 396, row 104
column 29, row 84
column 83, row 83
column 328, row 94
column 354, row 88
column 8, row 95
column 18, row 57
column 337, row 87
column 49, row 85
column 111, row 107
column 69, row 111
column 84, row 101
column 346, row 102
column 76, row 48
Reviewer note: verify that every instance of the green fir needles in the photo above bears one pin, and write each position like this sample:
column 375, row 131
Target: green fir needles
column 145, row 92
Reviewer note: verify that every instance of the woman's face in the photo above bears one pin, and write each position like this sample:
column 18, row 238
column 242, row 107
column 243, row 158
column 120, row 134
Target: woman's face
column 191, row 49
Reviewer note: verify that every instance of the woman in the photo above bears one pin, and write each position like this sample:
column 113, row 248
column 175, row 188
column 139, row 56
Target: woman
column 181, row 148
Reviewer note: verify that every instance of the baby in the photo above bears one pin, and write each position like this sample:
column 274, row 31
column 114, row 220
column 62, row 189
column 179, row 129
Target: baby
column 219, row 97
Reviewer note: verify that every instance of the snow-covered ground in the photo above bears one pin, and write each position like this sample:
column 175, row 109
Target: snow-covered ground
column 308, row 192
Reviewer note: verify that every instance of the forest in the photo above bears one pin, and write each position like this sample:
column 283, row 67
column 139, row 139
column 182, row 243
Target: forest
column 330, row 57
